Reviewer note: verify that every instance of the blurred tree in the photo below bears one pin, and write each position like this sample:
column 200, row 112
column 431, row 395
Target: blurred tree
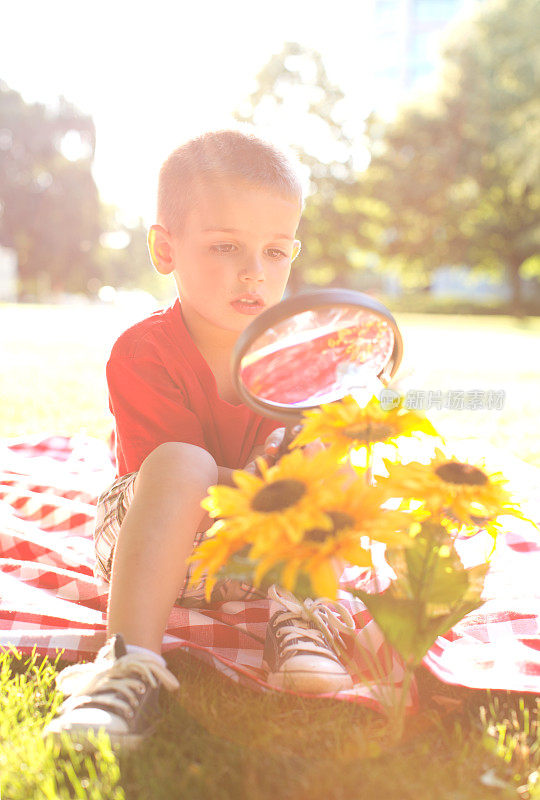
column 123, row 259
column 459, row 181
column 293, row 94
column 49, row 204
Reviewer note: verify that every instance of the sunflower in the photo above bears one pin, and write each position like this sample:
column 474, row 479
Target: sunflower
column 287, row 499
column 223, row 540
column 345, row 425
column 452, row 490
column 354, row 513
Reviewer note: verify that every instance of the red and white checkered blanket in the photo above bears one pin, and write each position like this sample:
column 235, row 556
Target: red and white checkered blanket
column 50, row 599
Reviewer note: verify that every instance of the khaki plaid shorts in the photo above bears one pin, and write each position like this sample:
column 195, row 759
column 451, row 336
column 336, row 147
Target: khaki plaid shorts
column 112, row 507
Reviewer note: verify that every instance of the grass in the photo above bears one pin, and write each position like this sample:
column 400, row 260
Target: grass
column 479, row 353
column 220, row 740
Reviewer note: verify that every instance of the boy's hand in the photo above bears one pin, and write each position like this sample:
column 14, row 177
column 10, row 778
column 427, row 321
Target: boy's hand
column 269, row 451
column 276, row 445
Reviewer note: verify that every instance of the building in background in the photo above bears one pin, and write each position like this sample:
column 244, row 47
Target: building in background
column 8, row 275
column 407, row 37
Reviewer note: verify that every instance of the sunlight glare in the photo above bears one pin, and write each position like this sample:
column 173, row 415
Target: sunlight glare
column 74, row 147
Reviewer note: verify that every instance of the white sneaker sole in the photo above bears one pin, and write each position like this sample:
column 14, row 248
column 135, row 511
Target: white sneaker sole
column 309, row 682
column 80, row 736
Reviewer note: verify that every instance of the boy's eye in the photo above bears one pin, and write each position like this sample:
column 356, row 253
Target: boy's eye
column 227, row 248
column 224, row 249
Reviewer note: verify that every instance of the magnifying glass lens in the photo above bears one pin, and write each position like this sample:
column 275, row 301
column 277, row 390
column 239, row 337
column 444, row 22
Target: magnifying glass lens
column 315, row 348
column 316, row 356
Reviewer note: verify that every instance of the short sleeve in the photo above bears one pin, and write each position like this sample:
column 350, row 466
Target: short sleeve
column 149, row 410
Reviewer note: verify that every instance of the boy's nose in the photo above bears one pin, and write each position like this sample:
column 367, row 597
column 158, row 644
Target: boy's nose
column 252, row 270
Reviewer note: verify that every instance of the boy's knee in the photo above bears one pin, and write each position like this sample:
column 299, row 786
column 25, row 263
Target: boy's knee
column 177, row 461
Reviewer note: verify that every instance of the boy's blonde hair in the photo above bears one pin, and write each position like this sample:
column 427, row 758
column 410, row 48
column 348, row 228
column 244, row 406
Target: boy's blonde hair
column 220, row 154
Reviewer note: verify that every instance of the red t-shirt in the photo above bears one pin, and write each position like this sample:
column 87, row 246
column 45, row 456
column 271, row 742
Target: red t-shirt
column 162, row 390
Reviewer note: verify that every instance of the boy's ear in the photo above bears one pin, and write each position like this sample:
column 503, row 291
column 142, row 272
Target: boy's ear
column 159, row 245
column 297, row 246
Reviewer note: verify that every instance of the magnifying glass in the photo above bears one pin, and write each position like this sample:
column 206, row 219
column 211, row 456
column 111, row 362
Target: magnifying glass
column 316, row 348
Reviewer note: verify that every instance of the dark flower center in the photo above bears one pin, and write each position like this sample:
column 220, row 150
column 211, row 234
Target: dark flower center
column 339, row 519
column 278, row 495
column 368, row 431
column 456, row 472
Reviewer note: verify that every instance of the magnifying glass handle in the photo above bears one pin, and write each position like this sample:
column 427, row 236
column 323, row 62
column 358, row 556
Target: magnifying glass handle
column 290, row 432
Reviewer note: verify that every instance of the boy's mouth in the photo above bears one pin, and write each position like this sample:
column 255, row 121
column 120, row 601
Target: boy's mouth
column 248, row 304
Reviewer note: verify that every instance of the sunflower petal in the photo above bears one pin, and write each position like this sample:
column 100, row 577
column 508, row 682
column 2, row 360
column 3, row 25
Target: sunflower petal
column 289, row 574
column 247, row 482
column 324, row 580
column 208, row 587
column 416, row 423
column 264, row 566
column 223, row 501
column 354, row 553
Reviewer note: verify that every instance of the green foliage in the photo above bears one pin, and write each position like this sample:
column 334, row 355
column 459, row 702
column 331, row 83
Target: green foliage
column 512, row 733
column 31, row 767
column 460, row 177
column 49, row 205
column 129, row 267
column 432, row 592
column 241, row 568
column 453, row 180
column 497, row 62
column 50, row 210
column 219, row 740
column 295, row 83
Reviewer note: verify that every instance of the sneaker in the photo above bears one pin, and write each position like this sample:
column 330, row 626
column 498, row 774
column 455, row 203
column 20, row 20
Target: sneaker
column 118, row 692
column 300, row 653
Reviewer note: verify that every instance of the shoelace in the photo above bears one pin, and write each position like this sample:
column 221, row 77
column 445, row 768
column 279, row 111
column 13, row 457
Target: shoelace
column 117, row 677
column 332, row 617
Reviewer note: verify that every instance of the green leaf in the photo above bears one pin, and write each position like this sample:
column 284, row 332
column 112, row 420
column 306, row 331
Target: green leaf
column 241, row 568
column 435, row 572
column 438, row 626
column 404, row 623
column 302, row 587
column 238, row 568
column 398, row 619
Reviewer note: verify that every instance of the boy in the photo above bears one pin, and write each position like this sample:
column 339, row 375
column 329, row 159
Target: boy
column 228, row 209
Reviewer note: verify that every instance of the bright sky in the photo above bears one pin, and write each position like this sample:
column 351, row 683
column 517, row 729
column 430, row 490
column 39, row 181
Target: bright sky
column 153, row 74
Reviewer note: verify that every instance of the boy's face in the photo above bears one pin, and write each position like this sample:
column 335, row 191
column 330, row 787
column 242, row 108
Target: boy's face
column 233, row 257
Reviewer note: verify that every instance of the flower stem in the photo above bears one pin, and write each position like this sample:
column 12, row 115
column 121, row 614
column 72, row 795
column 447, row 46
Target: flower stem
column 398, row 721
column 369, row 465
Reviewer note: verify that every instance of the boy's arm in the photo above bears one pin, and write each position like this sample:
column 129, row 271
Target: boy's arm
column 269, row 450
column 149, row 409
column 225, row 474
